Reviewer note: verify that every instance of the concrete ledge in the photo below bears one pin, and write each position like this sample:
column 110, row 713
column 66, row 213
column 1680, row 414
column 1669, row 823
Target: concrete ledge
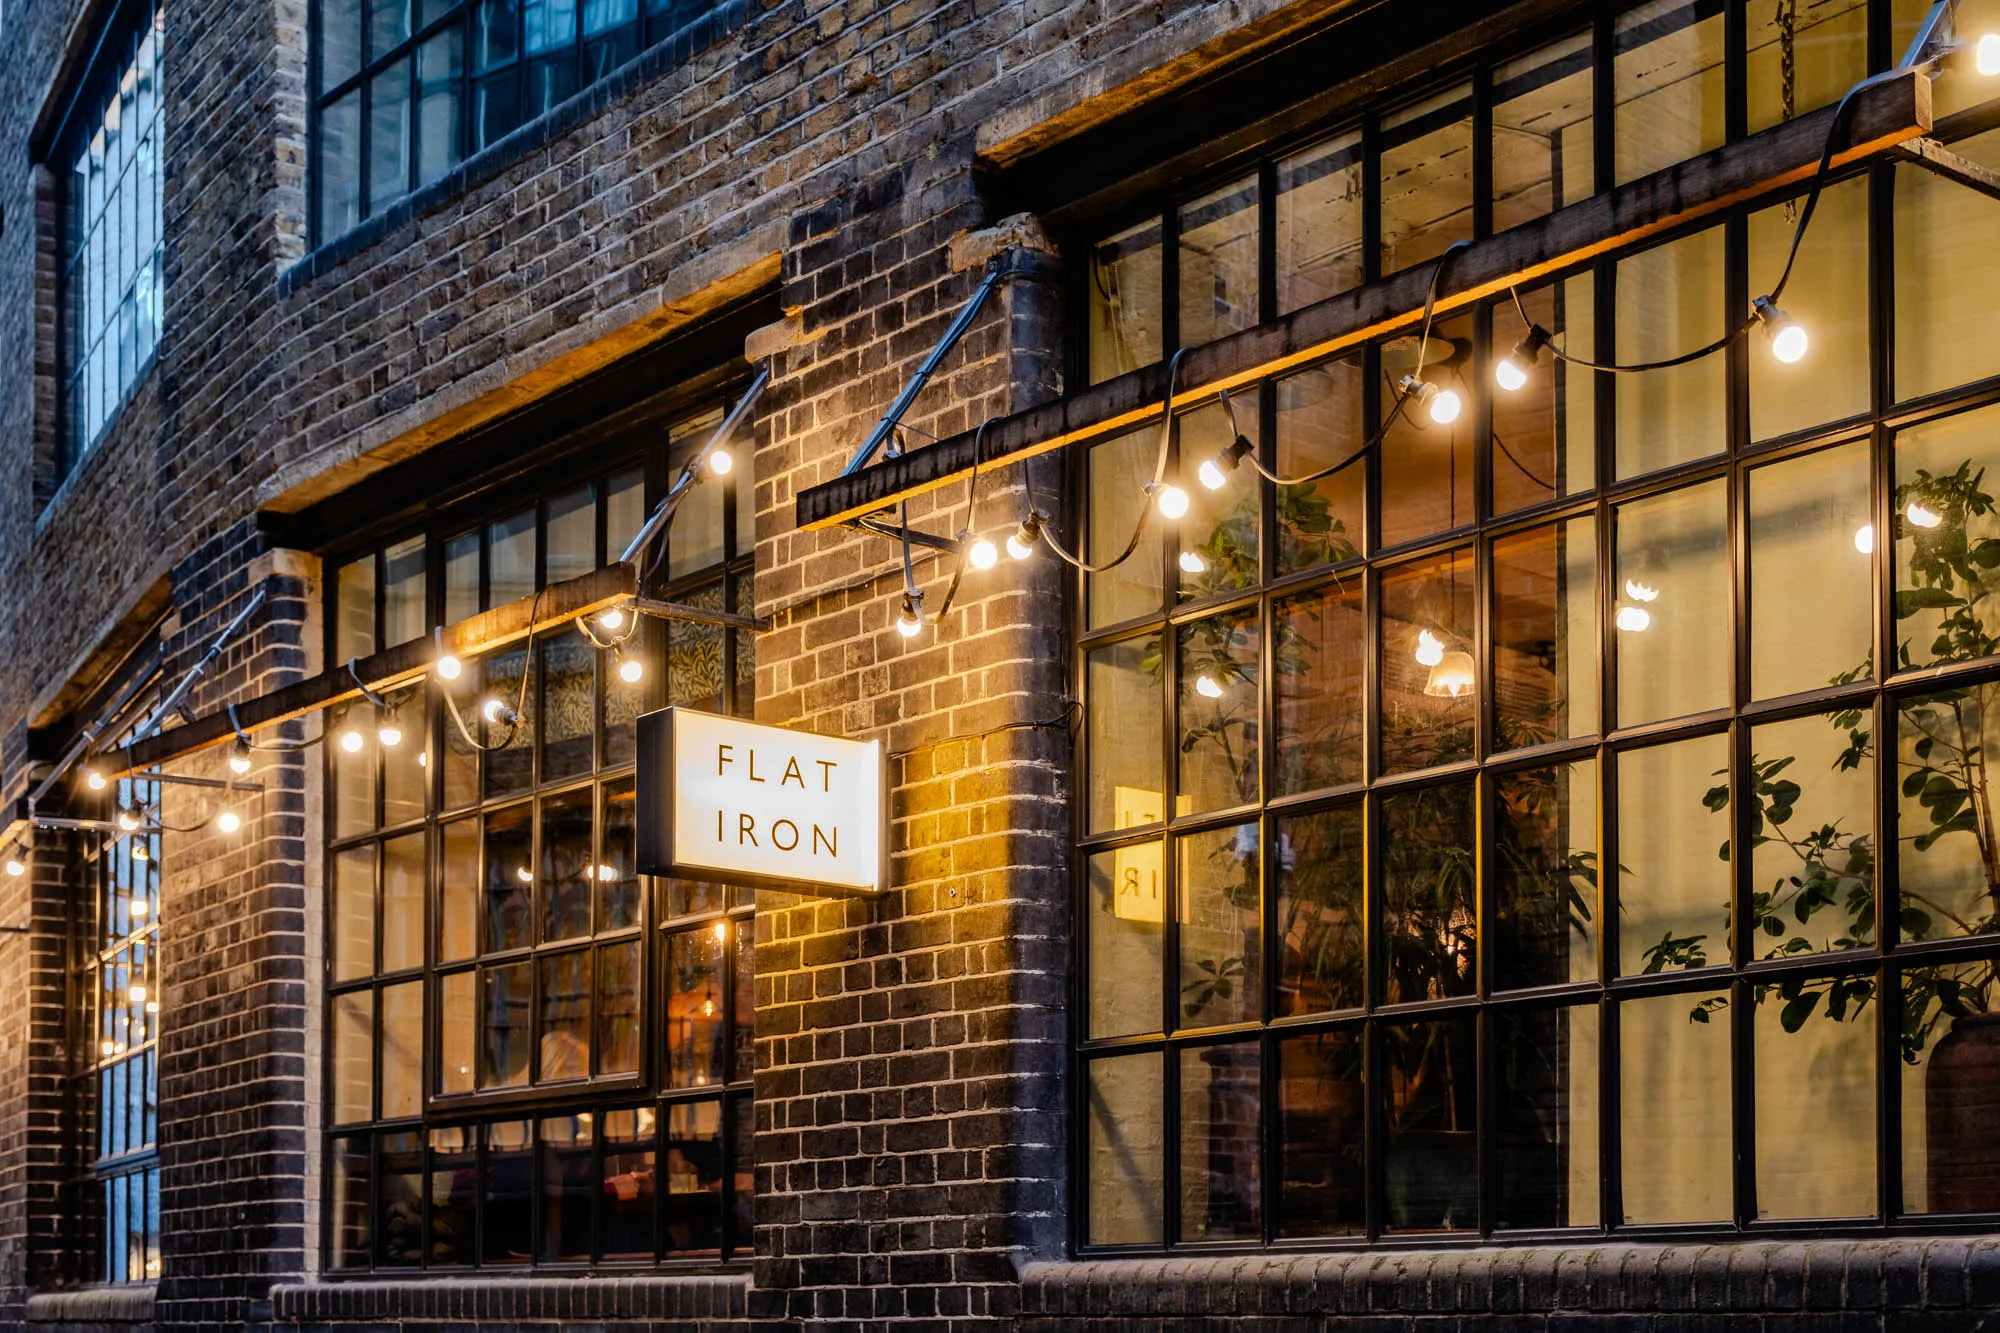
column 1909, row 1283
column 702, row 1300
column 99, row 1307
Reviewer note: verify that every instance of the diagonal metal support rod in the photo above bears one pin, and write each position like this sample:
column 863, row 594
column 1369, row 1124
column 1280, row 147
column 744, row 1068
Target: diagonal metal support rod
column 663, row 513
column 701, row 615
column 883, row 528
column 890, row 419
column 1933, row 156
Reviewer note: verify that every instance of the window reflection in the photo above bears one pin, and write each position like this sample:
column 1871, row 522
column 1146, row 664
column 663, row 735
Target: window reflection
column 1426, row 466
column 1948, row 540
column 1322, row 1136
column 1126, row 932
column 1320, row 660
column 1546, row 1108
column 1125, row 302
column 1219, row 538
column 1670, row 301
column 1219, row 730
column 1126, row 784
column 1119, row 471
column 1218, row 263
column 1674, row 1108
column 1320, row 882
column 1812, row 543
column 1426, row 178
column 1544, row 876
column 1428, row 686
column 1221, row 964
column 1543, row 147
column 1803, row 57
column 1219, row 1194
column 1320, row 425
column 1545, row 432
column 1671, row 616
column 1811, row 790
column 1123, row 1150
column 1429, row 924
column 1319, row 222
column 1545, row 634
column 1430, row 1121
column 1815, row 1065
column 1668, row 89
column 1949, row 874
column 1950, row 1164
column 1828, row 295
column 1947, row 276
column 1673, row 868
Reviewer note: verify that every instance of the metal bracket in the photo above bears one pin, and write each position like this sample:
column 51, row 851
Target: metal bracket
column 883, row 528
column 1935, row 157
column 701, row 615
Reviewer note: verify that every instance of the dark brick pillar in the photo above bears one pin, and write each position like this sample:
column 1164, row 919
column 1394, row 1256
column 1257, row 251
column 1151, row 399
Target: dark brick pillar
column 911, row 1049
column 234, row 966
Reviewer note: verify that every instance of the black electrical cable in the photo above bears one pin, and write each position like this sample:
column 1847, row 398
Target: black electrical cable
column 1146, row 512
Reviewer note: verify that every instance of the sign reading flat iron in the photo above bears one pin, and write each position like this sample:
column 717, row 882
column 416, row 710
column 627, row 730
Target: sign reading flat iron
column 724, row 799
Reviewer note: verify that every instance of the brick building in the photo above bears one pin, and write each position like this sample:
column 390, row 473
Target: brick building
column 1406, row 835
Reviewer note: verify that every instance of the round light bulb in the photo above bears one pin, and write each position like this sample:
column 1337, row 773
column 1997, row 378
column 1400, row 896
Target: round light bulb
column 449, row 667
column 1789, row 344
column 1633, row 619
column 128, row 820
column 612, row 618
column 1212, row 475
column 1864, row 539
column 719, row 462
column 107, row 1046
column 494, row 711
column 1921, row 517
column 1445, row 406
column 1192, row 562
column 229, row 821
column 1510, row 375
column 350, row 740
column 909, row 623
column 983, row 554
column 15, row 868
column 152, row 1006
column 1430, row 648
column 138, row 994
column 1986, row 55
column 93, row 779
column 630, row 670
column 140, row 855
column 239, row 759
column 140, row 907
column 722, row 930
column 1017, row 548
column 390, row 735
column 525, row 875
column 1173, row 501
column 1207, row 686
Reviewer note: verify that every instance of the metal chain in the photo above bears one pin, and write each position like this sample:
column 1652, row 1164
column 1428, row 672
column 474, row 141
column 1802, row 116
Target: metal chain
column 1788, row 90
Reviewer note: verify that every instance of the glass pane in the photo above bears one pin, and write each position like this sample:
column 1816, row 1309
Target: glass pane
column 354, row 777
column 1674, row 1108
column 1812, row 541
column 1428, row 704
column 695, row 540
column 350, row 1207
column 353, row 913
column 454, row 1173
column 572, row 534
column 1426, row 462
column 1947, row 876
column 440, row 64
column 1545, row 1107
column 1545, row 431
column 1947, row 274
column 495, row 32
column 694, row 1179
column 505, row 1024
column 1218, row 744
column 1124, row 1159
column 354, row 611
column 1673, row 895
column 1545, row 634
column 1951, row 1159
column 339, row 175
column 458, row 1008
column 629, row 1190
column 1319, row 216
column 695, row 667
column 1319, row 663
column 624, row 510
column 388, row 136
column 1219, row 1192
column 618, row 877
column 695, row 1008
column 406, row 764
column 507, row 1198
column 625, row 700
column 1218, row 263
column 461, row 578
column 1431, row 1125
column 1668, row 90
column 1426, row 178
column 509, row 768
column 568, row 1186
column 402, row 1050
column 1428, row 917
column 1119, row 471
column 1828, row 296
column 510, row 878
column 461, row 761
column 510, row 559
column 1544, row 876
column 458, row 892
column 565, row 1017
column 1803, row 57
column 743, row 1057
column 403, row 902
column 1543, row 148
column 1221, row 965
column 1947, row 540
column 1670, row 302
column 618, row 1009
column 1812, row 820
column 1322, row 1137
column 1320, row 425
column 339, row 41
column 1125, row 784
column 1673, row 600
column 388, row 24
column 1219, row 537
column 568, row 873
column 1124, row 931
column 1815, row 1097
column 1320, row 885
column 353, row 1057
column 403, row 593
column 1125, row 302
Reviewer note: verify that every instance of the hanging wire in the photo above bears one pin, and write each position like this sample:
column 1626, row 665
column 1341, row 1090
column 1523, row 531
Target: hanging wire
column 964, row 527
column 521, row 696
column 1145, row 512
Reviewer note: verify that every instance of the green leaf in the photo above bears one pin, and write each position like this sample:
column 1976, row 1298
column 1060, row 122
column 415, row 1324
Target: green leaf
column 1793, row 1016
column 1909, row 601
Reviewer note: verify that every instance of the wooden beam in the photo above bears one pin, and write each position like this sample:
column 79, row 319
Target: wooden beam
column 1879, row 117
column 1933, row 156
column 549, row 611
column 700, row 615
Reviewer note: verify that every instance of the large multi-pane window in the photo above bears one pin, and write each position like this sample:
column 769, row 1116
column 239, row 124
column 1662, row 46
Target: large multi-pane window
column 1574, row 817
column 120, row 1006
column 109, row 167
column 404, row 89
column 535, row 1054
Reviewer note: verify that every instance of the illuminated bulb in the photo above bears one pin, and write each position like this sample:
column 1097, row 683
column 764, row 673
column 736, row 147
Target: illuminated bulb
column 140, row 907
column 1207, row 687
column 1172, row 500
column 1021, row 542
column 1634, row 619
column 606, row 873
column 910, row 619
column 350, row 740
column 708, row 1008
column 1641, row 592
column 423, row 759
column 137, row 994
column 525, row 875
column 1788, row 338
column 93, row 779
column 1193, row 563
column 719, row 462
column 1986, row 55
column 722, row 930
column 983, row 554
column 1443, row 405
column 630, row 669
column 1921, row 517
column 107, row 1046
column 1430, row 648
column 1212, row 475
column 701, row 1080
column 14, row 867
column 449, row 667
column 499, row 713
column 152, row 1006
column 128, row 820
column 139, row 855
column 1864, row 539
column 239, row 758
column 1509, row 375
column 1451, row 677
column 612, row 618
column 390, row 735
column 229, row 821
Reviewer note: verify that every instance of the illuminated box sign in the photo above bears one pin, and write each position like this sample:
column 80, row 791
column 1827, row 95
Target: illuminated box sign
column 724, row 799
